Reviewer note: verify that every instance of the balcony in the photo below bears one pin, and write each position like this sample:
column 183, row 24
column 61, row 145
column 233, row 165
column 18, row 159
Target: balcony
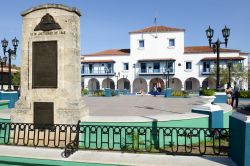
column 97, row 73
column 154, row 71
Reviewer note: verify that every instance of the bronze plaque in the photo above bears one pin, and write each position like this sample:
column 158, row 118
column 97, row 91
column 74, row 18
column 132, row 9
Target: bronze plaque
column 44, row 113
column 44, row 64
column 47, row 24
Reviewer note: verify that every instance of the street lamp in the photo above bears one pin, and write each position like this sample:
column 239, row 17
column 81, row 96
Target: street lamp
column 107, row 71
column 11, row 55
column 117, row 76
column 216, row 48
column 3, row 61
column 166, row 73
column 229, row 65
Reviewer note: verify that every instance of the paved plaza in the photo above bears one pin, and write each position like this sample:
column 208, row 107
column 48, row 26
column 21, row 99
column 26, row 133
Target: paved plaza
column 141, row 105
column 137, row 108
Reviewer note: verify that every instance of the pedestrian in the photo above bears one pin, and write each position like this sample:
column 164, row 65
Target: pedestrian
column 228, row 91
column 235, row 95
column 142, row 92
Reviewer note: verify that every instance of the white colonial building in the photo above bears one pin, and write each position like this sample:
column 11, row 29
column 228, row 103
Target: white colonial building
column 155, row 53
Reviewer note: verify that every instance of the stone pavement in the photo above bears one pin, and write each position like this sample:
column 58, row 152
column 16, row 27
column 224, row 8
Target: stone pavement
column 138, row 108
column 116, row 158
column 139, row 105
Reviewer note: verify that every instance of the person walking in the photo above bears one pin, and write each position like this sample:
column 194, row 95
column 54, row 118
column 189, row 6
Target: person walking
column 228, row 91
column 235, row 95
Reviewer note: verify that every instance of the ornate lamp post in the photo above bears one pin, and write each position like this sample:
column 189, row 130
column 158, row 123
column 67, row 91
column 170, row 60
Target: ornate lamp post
column 229, row 65
column 107, row 71
column 3, row 61
column 166, row 74
column 11, row 55
column 117, row 76
column 216, row 48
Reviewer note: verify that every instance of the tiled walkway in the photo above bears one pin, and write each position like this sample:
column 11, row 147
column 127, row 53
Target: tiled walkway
column 53, row 157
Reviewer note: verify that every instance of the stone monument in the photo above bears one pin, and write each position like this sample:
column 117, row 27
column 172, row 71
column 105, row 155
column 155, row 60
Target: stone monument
column 50, row 68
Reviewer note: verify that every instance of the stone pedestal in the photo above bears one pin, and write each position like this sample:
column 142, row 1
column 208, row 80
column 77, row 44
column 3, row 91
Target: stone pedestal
column 50, row 75
column 214, row 112
column 239, row 139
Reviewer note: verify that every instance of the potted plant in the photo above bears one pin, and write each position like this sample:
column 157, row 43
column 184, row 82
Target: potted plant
column 207, row 95
column 15, row 80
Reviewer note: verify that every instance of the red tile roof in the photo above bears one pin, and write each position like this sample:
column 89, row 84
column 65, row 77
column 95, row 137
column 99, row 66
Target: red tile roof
column 244, row 53
column 222, row 58
column 6, row 70
column 97, row 61
column 111, row 52
column 157, row 59
column 205, row 49
column 158, row 29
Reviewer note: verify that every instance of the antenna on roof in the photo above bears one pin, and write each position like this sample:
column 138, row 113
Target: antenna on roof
column 155, row 24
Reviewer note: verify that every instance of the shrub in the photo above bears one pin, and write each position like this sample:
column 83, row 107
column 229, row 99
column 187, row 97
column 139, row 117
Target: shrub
column 177, row 93
column 85, row 91
column 98, row 93
column 180, row 93
column 244, row 94
column 207, row 92
column 185, row 94
column 15, row 78
column 113, row 93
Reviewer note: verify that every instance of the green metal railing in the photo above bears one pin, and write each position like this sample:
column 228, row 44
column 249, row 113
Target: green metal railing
column 168, row 140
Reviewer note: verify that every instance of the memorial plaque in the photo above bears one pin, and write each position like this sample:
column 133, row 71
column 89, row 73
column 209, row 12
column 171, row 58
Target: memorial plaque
column 44, row 113
column 44, row 64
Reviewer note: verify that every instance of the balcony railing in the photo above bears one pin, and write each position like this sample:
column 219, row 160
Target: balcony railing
column 97, row 72
column 206, row 71
column 155, row 71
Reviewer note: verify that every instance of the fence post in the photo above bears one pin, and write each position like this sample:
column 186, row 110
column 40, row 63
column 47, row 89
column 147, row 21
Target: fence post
column 239, row 140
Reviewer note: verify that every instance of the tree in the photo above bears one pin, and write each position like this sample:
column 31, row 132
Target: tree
column 238, row 73
column 15, row 79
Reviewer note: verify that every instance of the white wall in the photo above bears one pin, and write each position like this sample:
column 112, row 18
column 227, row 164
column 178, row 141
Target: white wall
column 157, row 48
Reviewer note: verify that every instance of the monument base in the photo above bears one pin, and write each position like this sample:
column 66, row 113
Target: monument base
column 69, row 112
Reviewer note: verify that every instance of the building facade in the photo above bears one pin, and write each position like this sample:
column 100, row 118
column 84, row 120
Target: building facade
column 157, row 57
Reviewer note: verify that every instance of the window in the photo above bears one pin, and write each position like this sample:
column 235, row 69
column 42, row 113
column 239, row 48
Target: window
column 188, row 65
column 170, row 66
column 206, row 67
column 125, row 66
column 110, row 68
column 156, row 67
column 141, row 43
column 171, row 43
column 90, row 68
column 143, row 67
column 82, row 68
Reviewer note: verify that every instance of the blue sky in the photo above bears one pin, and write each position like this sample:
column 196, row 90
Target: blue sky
column 105, row 23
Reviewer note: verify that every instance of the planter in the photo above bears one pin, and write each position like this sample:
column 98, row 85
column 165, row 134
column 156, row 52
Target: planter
column 207, row 99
